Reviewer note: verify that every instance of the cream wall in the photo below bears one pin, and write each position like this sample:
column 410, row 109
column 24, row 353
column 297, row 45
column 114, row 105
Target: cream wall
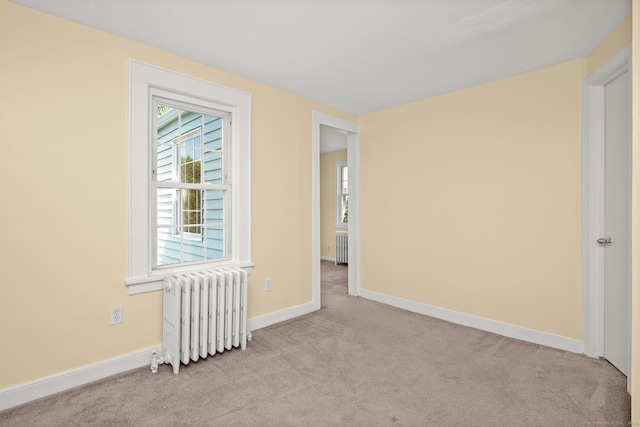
column 619, row 38
column 485, row 210
column 63, row 127
column 488, row 187
column 328, row 202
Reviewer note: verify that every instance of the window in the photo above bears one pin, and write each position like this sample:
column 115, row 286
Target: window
column 189, row 176
column 342, row 194
column 191, row 184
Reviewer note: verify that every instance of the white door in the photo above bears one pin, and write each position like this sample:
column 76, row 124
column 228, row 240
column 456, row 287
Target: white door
column 617, row 286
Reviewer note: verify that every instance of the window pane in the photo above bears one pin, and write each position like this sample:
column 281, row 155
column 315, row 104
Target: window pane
column 214, row 224
column 165, row 207
column 190, row 225
column 191, row 211
column 213, row 167
column 190, row 170
column 190, row 222
column 165, row 163
column 213, row 132
column 345, row 180
column 214, row 238
column 168, row 247
column 342, row 193
column 192, row 250
column 214, row 207
column 344, row 208
column 186, row 139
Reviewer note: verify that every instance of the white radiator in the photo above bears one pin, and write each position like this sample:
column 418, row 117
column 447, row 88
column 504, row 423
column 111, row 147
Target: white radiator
column 342, row 247
column 204, row 313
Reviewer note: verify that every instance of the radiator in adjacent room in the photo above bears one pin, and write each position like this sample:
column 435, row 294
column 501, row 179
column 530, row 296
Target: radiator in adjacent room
column 204, row 313
column 342, row 247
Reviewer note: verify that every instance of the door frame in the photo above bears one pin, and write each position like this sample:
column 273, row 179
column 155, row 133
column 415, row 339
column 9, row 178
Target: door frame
column 353, row 227
column 593, row 176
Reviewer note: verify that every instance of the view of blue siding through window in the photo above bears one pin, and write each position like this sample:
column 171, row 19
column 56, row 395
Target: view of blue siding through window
column 190, row 190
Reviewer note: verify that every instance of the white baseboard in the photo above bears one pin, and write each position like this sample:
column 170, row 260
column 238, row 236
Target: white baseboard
column 42, row 387
column 24, row 393
column 326, row 258
column 477, row 322
column 46, row 386
column 280, row 316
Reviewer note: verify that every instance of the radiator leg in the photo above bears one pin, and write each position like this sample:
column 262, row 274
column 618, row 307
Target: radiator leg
column 243, row 345
column 154, row 360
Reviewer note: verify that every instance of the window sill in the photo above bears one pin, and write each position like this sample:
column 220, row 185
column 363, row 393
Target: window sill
column 153, row 282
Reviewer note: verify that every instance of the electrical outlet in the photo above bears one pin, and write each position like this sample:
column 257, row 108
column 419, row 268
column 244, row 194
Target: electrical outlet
column 267, row 284
column 116, row 315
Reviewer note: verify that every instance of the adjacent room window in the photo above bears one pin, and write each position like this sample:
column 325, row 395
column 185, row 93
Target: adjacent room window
column 342, row 194
column 189, row 176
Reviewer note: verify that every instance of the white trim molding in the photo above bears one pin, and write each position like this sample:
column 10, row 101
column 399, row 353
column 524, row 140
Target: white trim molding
column 23, row 393
column 145, row 82
column 477, row 322
column 593, row 140
column 269, row 319
column 353, row 162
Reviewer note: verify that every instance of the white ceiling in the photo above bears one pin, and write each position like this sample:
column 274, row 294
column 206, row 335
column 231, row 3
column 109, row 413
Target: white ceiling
column 332, row 139
column 359, row 55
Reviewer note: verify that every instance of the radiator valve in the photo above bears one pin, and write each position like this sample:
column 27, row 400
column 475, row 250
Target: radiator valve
column 155, row 360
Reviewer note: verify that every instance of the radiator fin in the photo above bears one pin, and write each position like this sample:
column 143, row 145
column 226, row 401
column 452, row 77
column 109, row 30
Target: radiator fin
column 204, row 313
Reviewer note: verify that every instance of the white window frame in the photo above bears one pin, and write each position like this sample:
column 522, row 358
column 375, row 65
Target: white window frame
column 339, row 167
column 145, row 82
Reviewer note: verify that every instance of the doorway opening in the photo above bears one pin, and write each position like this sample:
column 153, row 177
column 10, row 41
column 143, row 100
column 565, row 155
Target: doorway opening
column 343, row 135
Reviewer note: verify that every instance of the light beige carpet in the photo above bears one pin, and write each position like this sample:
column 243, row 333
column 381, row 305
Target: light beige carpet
column 354, row 363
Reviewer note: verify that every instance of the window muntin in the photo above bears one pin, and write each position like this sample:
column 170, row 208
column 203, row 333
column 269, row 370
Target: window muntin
column 191, row 182
column 342, row 194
